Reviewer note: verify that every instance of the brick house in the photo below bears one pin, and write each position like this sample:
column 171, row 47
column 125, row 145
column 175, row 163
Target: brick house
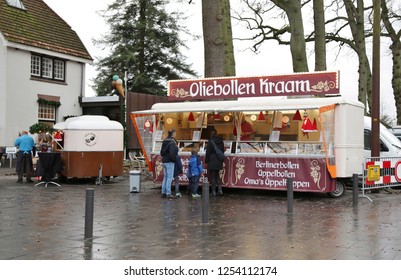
column 42, row 67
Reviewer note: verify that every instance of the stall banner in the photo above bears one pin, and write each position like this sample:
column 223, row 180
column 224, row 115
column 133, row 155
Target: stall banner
column 269, row 173
column 297, row 84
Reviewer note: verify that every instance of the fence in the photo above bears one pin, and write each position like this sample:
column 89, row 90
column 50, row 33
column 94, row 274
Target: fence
column 380, row 172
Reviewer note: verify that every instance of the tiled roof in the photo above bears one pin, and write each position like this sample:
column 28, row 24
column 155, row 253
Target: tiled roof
column 39, row 26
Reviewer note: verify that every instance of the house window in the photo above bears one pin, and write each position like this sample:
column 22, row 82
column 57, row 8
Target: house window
column 59, row 70
column 35, row 65
column 47, row 67
column 16, row 3
column 47, row 112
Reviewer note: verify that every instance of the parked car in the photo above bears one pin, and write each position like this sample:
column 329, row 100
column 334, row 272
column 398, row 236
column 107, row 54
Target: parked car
column 390, row 146
column 396, row 130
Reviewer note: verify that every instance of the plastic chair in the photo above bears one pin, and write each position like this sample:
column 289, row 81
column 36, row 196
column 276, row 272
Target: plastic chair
column 136, row 162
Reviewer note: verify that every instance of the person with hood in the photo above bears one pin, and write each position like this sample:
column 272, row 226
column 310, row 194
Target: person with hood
column 214, row 165
column 169, row 154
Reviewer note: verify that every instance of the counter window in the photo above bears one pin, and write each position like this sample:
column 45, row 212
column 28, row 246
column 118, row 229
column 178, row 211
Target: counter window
column 291, row 132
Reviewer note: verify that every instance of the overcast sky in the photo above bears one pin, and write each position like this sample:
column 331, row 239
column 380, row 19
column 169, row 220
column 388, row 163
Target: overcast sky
column 83, row 17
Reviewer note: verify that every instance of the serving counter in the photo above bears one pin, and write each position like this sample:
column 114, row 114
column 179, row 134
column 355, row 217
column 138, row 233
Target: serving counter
column 261, row 165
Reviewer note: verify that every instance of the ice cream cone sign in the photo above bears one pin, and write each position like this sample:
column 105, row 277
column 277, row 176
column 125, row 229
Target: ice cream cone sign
column 117, row 84
column 119, row 87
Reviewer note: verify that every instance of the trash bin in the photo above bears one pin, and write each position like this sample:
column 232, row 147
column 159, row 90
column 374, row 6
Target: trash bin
column 134, row 180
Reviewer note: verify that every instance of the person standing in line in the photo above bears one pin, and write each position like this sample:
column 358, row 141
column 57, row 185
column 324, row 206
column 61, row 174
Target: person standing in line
column 25, row 145
column 169, row 154
column 214, row 165
column 195, row 170
column 177, row 172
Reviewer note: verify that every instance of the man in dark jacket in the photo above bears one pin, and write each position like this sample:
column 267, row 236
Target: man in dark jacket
column 169, row 154
column 214, row 165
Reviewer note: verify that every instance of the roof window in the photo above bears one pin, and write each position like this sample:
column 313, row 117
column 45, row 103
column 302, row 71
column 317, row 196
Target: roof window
column 16, row 3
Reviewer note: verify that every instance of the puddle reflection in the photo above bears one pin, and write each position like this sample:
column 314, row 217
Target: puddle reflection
column 88, row 249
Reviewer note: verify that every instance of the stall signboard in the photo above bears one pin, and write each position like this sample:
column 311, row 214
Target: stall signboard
column 308, row 174
column 297, row 84
column 11, row 150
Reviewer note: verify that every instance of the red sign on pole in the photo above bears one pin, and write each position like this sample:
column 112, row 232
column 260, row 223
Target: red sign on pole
column 297, row 84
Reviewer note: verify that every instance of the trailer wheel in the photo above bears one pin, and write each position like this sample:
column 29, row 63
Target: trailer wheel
column 339, row 191
column 99, row 181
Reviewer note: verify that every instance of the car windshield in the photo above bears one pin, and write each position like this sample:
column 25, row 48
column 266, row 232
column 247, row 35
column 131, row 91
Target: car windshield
column 395, row 141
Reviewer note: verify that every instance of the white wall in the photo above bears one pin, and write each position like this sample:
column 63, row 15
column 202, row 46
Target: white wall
column 21, row 102
column 3, row 63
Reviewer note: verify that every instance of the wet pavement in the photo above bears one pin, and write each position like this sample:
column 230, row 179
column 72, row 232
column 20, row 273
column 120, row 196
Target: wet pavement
column 49, row 223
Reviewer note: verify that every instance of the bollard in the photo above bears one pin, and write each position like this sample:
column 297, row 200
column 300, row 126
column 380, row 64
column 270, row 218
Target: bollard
column 355, row 190
column 90, row 194
column 205, row 203
column 290, row 196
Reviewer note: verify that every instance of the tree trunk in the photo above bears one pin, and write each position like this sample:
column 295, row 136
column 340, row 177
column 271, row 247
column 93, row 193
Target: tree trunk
column 217, row 38
column 396, row 79
column 297, row 41
column 320, row 35
column 142, row 35
column 356, row 22
column 395, row 48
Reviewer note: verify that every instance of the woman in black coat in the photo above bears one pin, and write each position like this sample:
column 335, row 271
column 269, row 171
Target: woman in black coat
column 214, row 165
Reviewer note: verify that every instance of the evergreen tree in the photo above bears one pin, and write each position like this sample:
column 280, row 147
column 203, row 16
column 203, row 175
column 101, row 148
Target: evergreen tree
column 144, row 41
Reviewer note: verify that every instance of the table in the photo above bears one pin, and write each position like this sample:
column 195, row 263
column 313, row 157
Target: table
column 48, row 166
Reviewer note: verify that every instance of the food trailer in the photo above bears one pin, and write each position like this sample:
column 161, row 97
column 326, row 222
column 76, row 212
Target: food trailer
column 92, row 146
column 315, row 140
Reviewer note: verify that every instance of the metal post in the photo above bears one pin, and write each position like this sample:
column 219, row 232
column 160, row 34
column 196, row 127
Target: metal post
column 375, row 113
column 90, row 194
column 205, row 203
column 290, row 196
column 355, row 190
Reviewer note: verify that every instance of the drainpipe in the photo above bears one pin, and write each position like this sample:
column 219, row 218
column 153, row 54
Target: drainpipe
column 82, row 79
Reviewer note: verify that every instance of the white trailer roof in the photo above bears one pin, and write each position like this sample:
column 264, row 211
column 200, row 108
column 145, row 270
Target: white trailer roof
column 88, row 122
column 249, row 104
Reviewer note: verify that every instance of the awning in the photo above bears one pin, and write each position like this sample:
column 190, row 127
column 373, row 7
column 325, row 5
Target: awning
column 248, row 104
column 50, row 98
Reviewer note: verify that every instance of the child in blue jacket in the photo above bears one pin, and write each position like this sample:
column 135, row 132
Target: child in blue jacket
column 195, row 170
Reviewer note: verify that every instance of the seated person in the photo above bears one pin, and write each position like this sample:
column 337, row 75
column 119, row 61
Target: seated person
column 246, row 130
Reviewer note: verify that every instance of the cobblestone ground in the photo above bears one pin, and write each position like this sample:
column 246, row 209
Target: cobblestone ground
column 38, row 222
